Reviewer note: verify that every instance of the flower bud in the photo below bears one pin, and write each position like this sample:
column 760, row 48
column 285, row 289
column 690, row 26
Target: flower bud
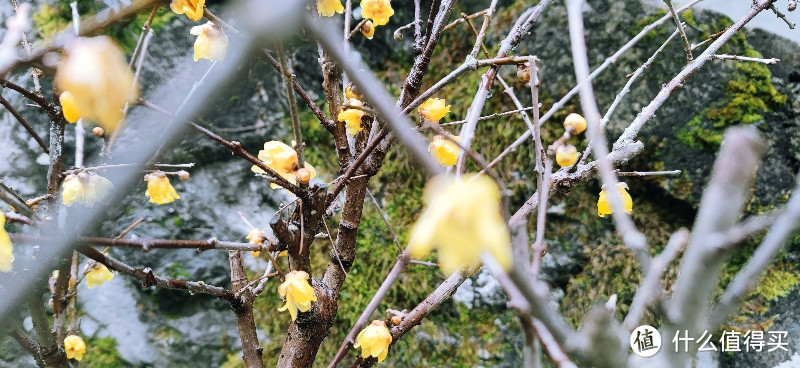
column 524, row 72
column 183, row 175
column 566, row 155
column 98, row 132
column 576, row 122
column 303, row 176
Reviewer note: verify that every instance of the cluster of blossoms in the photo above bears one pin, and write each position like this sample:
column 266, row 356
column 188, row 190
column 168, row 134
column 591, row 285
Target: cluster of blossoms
column 374, row 341
column 280, row 157
column 375, row 12
column 211, row 42
column 95, row 81
column 352, row 116
column 443, row 149
column 567, row 154
column 462, row 220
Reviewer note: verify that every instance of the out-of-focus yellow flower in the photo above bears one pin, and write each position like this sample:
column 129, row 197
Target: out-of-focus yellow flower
column 298, row 293
column 374, row 340
column 256, row 236
column 352, row 117
column 159, row 190
column 462, row 219
column 377, row 10
column 6, row 248
column 211, row 43
column 434, row 109
column 280, row 157
column 576, row 121
column 604, row 207
column 192, row 8
column 84, row 188
column 566, row 155
column 68, row 107
column 97, row 77
column 326, row 8
column 444, row 150
column 368, row 30
column 75, row 347
column 98, row 275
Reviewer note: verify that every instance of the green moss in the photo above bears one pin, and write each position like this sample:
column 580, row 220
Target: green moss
column 102, row 352
column 50, row 19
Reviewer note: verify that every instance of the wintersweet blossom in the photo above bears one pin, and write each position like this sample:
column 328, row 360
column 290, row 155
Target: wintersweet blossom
column 192, row 8
column 326, row 8
column 280, row 157
column 84, row 188
column 604, row 206
column 298, row 293
column 566, row 155
column 377, row 10
column 75, row 347
column 368, row 29
column 374, row 340
column 352, row 117
column 352, row 92
column 434, row 109
column 256, row 236
column 462, row 219
column 444, row 151
column 98, row 80
column 159, row 190
column 69, row 107
column 98, row 275
column 576, row 122
column 6, row 248
column 211, row 43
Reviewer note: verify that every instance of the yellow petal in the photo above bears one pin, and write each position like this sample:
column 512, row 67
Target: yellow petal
column 433, row 109
column 327, row 8
column 444, row 151
column 566, row 155
column 576, row 122
column 192, row 8
column 69, row 107
column 6, row 248
column 211, row 42
column 159, row 190
column 377, row 10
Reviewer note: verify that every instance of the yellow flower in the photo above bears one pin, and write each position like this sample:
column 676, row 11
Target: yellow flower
column 98, row 275
column 326, row 8
column 444, row 150
column 433, row 109
column 84, row 188
column 68, row 107
column 374, row 340
column 577, row 122
column 6, row 248
column 280, row 157
column 604, row 207
column 351, row 93
column 97, row 77
column 256, row 236
column 566, row 155
column 298, row 293
column 462, row 219
column 75, row 347
column 159, row 190
column 377, row 10
column 211, row 42
column 192, row 8
column 368, row 30
column 352, row 117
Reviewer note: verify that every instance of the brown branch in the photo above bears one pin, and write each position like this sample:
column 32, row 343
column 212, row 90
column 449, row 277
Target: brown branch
column 28, row 344
column 287, row 77
column 243, row 308
column 24, row 124
column 148, row 278
column 145, row 245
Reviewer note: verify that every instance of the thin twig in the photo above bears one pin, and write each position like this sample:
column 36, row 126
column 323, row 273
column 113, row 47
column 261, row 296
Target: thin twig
column 770, row 61
column 686, row 47
column 24, row 124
